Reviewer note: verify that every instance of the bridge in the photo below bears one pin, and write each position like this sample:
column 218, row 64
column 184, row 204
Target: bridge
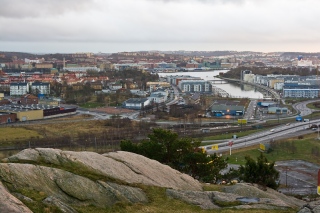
column 218, row 81
column 274, row 94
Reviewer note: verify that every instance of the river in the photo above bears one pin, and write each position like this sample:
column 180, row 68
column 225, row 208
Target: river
column 234, row 90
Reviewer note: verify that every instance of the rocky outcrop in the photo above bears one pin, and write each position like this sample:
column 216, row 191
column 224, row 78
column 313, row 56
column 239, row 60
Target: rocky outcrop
column 9, row 203
column 274, row 197
column 67, row 187
column 63, row 207
column 239, row 196
column 124, row 166
column 155, row 172
column 67, row 181
column 311, row 207
column 201, row 199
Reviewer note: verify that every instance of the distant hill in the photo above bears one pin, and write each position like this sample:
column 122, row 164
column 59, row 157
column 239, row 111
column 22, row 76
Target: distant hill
column 296, row 54
column 20, row 55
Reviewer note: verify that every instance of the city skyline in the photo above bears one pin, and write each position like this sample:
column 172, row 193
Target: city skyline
column 194, row 25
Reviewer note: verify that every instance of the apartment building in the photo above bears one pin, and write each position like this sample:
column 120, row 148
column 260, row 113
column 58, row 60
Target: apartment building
column 40, row 88
column 175, row 79
column 192, row 64
column 300, row 91
column 200, row 86
column 19, row 89
column 44, row 66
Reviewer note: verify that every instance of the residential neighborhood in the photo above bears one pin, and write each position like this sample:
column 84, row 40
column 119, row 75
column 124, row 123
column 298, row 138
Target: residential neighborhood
column 131, row 80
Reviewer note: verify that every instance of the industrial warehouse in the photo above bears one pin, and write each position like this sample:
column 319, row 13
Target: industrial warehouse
column 28, row 112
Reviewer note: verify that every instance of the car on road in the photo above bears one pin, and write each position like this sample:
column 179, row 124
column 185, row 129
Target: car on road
column 288, row 124
column 271, row 130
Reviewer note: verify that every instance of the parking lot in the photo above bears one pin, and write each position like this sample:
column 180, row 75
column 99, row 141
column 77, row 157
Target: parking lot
column 299, row 176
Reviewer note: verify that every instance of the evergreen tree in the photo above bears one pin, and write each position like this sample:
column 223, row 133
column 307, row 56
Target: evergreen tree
column 182, row 154
column 261, row 172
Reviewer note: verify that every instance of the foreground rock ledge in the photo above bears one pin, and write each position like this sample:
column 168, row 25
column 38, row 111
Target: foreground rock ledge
column 9, row 203
column 269, row 199
column 124, row 166
column 66, row 179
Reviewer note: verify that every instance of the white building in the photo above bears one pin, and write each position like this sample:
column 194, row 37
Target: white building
column 81, row 69
column 19, row 89
column 278, row 86
column 249, row 78
column 302, row 63
column 200, row 86
column 122, row 67
column 136, row 103
column 40, row 88
column 115, row 86
column 29, row 61
column 159, row 96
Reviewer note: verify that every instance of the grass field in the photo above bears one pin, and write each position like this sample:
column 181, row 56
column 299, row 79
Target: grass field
column 10, row 134
column 311, row 106
column 74, row 127
column 229, row 135
column 289, row 149
column 68, row 128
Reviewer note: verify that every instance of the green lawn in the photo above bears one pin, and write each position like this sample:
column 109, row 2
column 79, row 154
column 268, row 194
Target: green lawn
column 315, row 115
column 311, row 106
column 229, row 135
column 283, row 151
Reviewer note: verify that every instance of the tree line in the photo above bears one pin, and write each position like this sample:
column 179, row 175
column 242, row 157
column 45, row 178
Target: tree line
column 302, row 71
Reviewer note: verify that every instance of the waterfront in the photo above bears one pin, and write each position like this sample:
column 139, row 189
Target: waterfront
column 235, row 90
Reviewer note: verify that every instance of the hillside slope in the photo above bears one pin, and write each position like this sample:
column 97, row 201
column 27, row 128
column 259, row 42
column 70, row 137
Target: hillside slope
column 52, row 180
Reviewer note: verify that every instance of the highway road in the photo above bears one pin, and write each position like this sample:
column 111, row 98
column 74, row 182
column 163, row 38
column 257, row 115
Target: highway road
column 250, row 109
column 302, row 108
column 260, row 137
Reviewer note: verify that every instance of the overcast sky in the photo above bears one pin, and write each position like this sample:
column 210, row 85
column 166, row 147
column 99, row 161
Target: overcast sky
column 49, row 26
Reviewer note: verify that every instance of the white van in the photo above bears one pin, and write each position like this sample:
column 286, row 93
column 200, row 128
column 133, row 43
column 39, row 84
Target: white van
column 306, row 120
column 271, row 130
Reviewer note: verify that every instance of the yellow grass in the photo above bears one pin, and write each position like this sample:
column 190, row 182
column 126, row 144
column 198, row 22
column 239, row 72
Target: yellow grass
column 68, row 128
column 9, row 134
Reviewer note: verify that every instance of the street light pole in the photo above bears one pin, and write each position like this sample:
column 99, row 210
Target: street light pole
column 286, row 176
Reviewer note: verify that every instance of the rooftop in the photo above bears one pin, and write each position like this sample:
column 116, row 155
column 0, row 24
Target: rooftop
column 136, row 100
column 26, row 107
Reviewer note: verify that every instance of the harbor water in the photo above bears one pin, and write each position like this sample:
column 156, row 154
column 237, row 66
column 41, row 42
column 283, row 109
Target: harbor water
column 234, row 90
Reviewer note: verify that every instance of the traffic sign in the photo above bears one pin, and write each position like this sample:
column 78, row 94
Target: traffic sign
column 215, row 147
column 242, row 121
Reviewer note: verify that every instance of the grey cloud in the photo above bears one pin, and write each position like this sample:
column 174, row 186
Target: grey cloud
column 206, row 1
column 38, row 8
